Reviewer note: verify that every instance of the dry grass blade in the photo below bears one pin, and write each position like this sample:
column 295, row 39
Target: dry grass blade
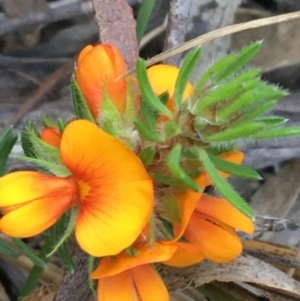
column 221, row 33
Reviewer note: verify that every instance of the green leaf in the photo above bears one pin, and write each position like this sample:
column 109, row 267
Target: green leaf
column 173, row 162
column 147, row 155
column 110, row 117
column 278, row 132
column 47, row 122
column 185, row 72
column 227, row 90
column 147, row 91
column 244, row 56
column 132, row 93
column 7, row 250
column 238, row 132
column 249, row 97
column 223, row 186
column 7, row 142
column 146, row 132
column 36, row 272
column 80, row 105
column 234, row 169
column 272, row 121
column 261, row 109
column 91, row 261
column 143, row 17
column 49, row 167
column 172, row 129
column 217, row 67
column 66, row 257
column 61, row 124
column 29, row 253
column 34, row 147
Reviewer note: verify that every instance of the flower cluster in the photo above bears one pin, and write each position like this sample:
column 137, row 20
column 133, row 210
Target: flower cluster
column 133, row 177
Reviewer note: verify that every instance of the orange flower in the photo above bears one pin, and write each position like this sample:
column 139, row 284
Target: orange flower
column 51, row 136
column 130, row 278
column 208, row 224
column 100, row 68
column 108, row 184
column 162, row 79
column 212, row 226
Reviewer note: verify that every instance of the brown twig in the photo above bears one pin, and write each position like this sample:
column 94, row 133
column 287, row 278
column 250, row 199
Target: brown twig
column 176, row 28
column 62, row 72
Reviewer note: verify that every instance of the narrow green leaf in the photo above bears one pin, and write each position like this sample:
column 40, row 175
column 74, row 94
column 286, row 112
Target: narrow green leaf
column 149, row 114
column 143, row 16
column 223, row 186
column 36, row 272
column 238, row 132
column 272, row 121
column 227, row 90
column 278, row 132
column 7, row 142
column 28, row 253
column 61, row 124
column 47, row 122
column 66, row 257
column 172, row 129
column 147, row 91
column 261, row 109
column 217, row 67
column 244, row 56
column 234, row 169
column 173, row 162
column 147, row 155
column 91, row 261
column 184, row 75
column 7, row 250
column 251, row 97
column 146, row 132
column 43, row 165
column 80, row 106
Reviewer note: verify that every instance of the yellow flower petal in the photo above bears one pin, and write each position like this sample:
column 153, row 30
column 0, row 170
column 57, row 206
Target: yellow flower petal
column 32, row 202
column 222, row 210
column 116, row 288
column 163, row 79
column 216, row 243
column 148, row 284
column 116, row 191
column 26, row 186
column 145, row 254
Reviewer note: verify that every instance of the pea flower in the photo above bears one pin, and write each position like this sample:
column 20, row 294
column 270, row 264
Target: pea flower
column 126, row 277
column 102, row 67
column 107, row 183
column 208, row 224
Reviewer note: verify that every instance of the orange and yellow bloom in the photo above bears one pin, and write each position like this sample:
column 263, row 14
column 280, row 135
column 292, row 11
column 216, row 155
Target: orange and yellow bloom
column 101, row 68
column 131, row 278
column 107, row 183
